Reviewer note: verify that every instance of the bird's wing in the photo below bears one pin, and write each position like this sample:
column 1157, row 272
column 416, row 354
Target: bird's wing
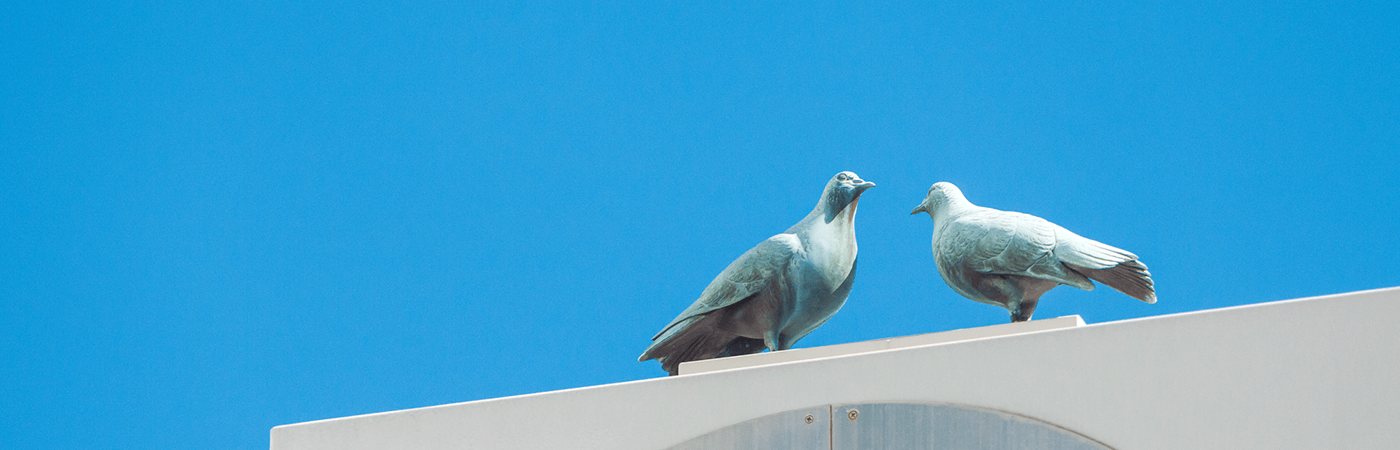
column 1084, row 252
column 1001, row 242
column 1009, row 243
column 751, row 273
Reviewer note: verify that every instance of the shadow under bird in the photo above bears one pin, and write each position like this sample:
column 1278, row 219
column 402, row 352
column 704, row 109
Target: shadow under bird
column 1010, row 259
column 775, row 293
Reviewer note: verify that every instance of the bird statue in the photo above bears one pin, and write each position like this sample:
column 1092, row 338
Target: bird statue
column 776, row 292
column 1010, row 259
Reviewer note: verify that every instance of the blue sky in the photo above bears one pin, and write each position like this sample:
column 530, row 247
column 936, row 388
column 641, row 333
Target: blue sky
column 219, row 218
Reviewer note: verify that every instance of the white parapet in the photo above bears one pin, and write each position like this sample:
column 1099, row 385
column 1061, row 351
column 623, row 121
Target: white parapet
column 803, row 354
column 1301, row 374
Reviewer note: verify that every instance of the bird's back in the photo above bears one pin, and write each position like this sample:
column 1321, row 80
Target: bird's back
column 991, row 241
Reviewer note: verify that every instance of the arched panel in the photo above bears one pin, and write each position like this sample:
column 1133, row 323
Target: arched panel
column 944, row 426
column 931, row 426
column 807, row 428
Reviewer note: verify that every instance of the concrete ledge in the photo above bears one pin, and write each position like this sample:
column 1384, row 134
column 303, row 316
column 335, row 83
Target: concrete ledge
column 803, row 354
column 1313, row 373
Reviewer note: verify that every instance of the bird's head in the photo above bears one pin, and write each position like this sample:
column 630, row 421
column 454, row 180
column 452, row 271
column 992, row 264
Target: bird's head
column 843, row 190
column 939, row 196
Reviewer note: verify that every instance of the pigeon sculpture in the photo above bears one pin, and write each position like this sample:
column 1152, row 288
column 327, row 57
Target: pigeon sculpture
column 1010, row 259
column 776, row 292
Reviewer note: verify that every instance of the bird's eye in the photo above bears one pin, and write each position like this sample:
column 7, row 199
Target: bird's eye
column 841, row 177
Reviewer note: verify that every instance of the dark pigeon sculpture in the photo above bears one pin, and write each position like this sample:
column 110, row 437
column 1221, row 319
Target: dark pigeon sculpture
column 775, row 293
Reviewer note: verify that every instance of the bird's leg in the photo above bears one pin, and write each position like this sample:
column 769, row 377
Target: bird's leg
column 785, row 341
column 1021, row 308
column 1022, row 311
column 1028, row 308
column 770, row 339
column 1029, row 291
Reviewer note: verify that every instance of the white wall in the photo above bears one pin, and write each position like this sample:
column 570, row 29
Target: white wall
column 1301, row 374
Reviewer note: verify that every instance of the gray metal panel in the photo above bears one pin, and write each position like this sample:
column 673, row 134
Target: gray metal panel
column 942, row 426
column 785, row 430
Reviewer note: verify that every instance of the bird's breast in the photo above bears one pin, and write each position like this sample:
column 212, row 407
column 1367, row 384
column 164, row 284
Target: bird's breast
column 832, row 253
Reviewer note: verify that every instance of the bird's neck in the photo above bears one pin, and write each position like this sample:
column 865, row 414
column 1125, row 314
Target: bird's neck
column 951, row 209
column 828, row 216
column 834, row 241
column 847, row 217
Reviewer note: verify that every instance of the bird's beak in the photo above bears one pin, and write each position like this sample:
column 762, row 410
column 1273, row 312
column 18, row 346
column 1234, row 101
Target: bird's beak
column 863, row 186
column 918, row 210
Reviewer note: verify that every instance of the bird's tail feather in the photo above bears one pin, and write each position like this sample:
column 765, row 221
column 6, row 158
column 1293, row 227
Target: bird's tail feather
column 1113, row 266
column 662, row 343
column 687, row 341
column 1129, row 277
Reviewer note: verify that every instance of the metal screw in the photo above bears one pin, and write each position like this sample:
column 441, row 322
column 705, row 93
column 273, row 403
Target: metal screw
column 852, row 414
column 810, row 419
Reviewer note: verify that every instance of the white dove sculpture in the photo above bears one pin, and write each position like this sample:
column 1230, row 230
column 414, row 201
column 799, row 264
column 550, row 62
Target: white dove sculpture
column 1010, row 259
column 776, row 292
